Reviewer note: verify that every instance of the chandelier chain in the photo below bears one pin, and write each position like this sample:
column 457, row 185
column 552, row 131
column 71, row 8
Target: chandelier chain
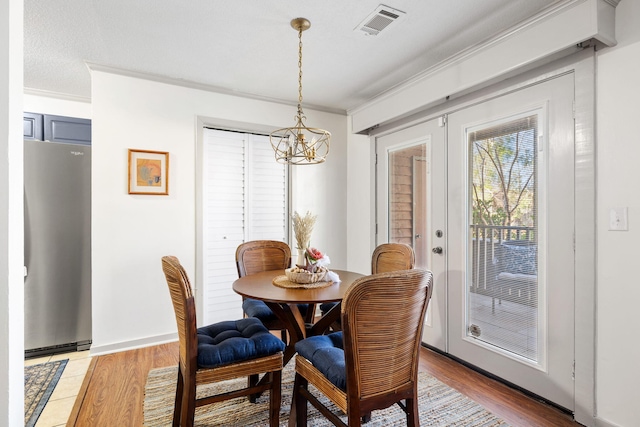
column 299, row 67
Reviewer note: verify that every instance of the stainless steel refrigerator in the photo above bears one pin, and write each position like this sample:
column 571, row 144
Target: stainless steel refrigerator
column 57, row 247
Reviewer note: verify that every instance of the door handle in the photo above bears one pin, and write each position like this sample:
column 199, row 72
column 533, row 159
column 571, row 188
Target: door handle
column 437, row 250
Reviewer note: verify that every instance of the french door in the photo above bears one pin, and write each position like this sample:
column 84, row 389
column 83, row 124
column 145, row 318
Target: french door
column 411, row 207
column 499, row 220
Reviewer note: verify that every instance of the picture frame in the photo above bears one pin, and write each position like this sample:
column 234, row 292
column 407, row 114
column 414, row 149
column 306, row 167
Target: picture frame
column 148, row 172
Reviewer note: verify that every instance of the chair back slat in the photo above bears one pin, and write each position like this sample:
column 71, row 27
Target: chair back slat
column 183, row 306
column 382, row 318
column 392, row 257
column 262, row 255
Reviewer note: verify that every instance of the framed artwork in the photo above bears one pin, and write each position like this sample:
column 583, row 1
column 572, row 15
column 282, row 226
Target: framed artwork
column 148, row 172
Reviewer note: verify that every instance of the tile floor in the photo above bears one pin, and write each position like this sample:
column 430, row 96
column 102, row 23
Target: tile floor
column 60, row 404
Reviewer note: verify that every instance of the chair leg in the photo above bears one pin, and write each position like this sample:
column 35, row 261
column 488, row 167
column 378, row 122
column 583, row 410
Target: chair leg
column 252, row 381
column 298, row 403
column 354, row 418
column 188, row 402
column 178, row 402
column 413, row 418
column 275, row 398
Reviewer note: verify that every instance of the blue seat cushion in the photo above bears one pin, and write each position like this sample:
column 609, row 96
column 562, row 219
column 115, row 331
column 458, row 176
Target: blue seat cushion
column 326, row 306
column 326, row 354
column 235, row 341
column 260, row 310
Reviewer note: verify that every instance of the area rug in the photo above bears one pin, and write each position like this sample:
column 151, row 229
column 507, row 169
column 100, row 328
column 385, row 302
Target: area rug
column 39, row 382
column 439, row 405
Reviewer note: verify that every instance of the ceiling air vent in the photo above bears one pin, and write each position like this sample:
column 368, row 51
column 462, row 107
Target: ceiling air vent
column 380, row 19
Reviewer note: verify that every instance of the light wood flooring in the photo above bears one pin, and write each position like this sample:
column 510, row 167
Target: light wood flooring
column 112, row 393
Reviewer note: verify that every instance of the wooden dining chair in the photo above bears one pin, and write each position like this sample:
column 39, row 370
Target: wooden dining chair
column 392, row 257
column 264, row 255
column 386, row 257
column 373, row 362
column 219, row 352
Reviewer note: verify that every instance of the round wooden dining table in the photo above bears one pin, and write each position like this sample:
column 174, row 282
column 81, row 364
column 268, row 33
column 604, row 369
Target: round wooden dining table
column 284, row 302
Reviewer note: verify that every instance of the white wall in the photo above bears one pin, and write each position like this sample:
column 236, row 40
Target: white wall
column 360, row 200
column 131, row 305
column 11, row 216
column 618, row 175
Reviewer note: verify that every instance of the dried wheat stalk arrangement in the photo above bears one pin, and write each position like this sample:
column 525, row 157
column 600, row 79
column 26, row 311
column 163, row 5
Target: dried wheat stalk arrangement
column 302, row 228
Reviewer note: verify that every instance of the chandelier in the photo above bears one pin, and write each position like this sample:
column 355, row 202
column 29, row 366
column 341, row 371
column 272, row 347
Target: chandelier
column 300, row 145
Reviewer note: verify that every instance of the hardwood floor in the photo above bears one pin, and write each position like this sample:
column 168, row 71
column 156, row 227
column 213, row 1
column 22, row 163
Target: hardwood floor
column 114, row 386
column 113, row 391
column 511, row 405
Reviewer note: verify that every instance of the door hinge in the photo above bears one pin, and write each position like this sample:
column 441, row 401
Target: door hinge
column 376, row 159
column 442, row 120
column 573, row 371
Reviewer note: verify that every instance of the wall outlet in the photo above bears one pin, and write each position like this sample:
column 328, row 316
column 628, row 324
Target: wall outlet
column 618, row 219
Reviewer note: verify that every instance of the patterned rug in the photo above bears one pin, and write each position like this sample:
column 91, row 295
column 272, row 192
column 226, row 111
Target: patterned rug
column 439, row 404
column 39, row 382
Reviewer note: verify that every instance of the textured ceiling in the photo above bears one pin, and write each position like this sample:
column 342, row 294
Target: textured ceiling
column 249, row 47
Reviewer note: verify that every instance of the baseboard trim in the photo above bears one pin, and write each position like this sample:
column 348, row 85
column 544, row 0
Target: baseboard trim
column 99, row 350
column 502, row 380
column 604, row 423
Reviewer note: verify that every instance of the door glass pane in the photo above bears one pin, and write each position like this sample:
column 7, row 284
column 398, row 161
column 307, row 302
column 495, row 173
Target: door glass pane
column 408, row 199
column 502, row 287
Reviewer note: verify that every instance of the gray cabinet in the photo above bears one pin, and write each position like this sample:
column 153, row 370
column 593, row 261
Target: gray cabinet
column 71, row 130
column 47, row 127
column 33, row 125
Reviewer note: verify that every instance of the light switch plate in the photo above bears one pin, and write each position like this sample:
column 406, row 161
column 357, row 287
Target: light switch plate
column 618, row 219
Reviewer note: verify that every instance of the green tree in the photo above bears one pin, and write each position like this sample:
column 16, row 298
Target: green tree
column 503, row 184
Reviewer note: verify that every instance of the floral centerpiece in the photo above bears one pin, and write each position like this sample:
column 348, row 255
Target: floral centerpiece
column 312, row 270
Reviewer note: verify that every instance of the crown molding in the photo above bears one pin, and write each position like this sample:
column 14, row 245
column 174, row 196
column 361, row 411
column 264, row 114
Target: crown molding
column 56, row 95
column 469, row 52
column 471, row 68
column 204, row 87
